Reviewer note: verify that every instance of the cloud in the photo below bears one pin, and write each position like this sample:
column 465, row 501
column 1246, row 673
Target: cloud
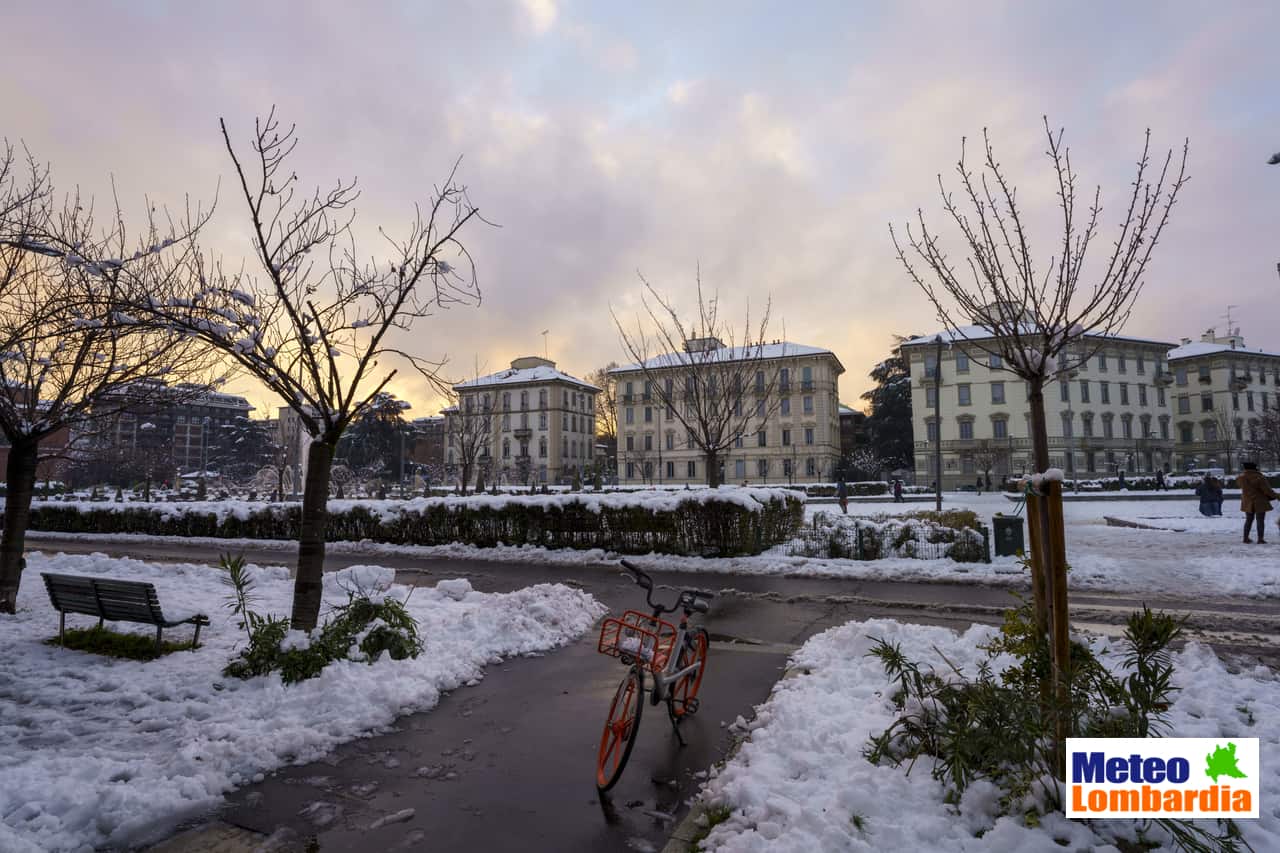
column 542, row 14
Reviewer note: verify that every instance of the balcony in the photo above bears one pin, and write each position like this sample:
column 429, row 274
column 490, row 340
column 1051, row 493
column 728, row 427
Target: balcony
column 926, row 378
column 806, row 385
column 784, row 387
column 1239, row 383
column 1206, row 379
column 1161, row 378
column 628, row 398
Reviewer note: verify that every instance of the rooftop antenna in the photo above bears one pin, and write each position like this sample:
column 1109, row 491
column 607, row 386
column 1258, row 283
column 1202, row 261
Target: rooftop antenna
column 1231, row 330
column 544, row 345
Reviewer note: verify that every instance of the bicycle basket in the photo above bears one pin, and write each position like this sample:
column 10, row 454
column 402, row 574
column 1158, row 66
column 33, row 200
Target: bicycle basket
column 638, row 636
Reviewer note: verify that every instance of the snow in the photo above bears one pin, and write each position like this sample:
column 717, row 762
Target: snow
column 524, row 375
column 1205, row 348
column 800, row 779
column 101, row 752
column 781, row 349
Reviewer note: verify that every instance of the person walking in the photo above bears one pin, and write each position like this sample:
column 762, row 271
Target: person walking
column 1159, row 480
column 897, row 491
column 978, row 485
column 842, row 494
column 1255, row 499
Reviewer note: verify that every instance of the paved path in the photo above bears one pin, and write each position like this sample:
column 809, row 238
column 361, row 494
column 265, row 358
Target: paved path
column 507, row 765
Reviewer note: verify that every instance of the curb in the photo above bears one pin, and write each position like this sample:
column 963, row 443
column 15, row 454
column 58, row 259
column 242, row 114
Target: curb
column 214, row 837
column 682, row 837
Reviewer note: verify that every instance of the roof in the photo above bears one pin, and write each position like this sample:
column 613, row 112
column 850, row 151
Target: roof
column 524, row 376
column 778, row 349
column 1199, row 348
column 979, row 333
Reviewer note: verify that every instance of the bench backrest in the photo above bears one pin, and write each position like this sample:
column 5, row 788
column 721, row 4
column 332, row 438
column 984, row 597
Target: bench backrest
column 113, row 600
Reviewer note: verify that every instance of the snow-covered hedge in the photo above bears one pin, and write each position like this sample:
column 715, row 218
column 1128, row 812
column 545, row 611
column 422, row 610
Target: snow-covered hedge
column 728, row 521
column 1146, row 483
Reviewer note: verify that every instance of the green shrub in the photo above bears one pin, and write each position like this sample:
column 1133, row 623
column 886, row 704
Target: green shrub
column 363, row 629
column 999, row 727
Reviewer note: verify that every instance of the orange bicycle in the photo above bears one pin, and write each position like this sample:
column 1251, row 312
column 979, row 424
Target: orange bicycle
column 675, row 655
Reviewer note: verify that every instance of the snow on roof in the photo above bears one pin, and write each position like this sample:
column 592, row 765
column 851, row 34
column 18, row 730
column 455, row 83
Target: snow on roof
column 1196, row 348
column 524, row 376
column 979, row 333
column 778, row 349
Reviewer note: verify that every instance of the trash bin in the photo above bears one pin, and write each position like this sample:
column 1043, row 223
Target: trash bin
column 1008, row 534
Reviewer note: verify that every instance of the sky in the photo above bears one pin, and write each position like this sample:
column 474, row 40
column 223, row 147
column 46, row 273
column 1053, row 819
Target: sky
column 766, row 145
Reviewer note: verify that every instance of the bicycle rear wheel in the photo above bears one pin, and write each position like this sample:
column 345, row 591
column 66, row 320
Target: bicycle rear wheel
column 683, row 700
column 620, row 729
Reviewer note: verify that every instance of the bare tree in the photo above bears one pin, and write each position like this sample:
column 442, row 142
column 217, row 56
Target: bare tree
column 1263, row 442
column 68, row 345
column 468, row 433
column 711, row 377
column 606, row 401
column 987, row 454
column 1229, row 430
column 313, row 323
column 1040, row 322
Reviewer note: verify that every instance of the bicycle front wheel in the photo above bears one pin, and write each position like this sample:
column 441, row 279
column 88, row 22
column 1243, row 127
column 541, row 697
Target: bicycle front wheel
column 683, row 700
column 620, row 729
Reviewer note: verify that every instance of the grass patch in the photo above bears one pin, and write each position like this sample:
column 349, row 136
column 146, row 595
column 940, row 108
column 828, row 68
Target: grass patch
column 103, row 641
column 715, row 816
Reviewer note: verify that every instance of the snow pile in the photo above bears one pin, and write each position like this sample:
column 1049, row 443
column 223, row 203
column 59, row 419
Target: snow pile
column 800, row 783
column 106, row 752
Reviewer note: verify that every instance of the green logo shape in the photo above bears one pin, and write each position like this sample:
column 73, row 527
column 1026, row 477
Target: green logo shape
column 1222, row 762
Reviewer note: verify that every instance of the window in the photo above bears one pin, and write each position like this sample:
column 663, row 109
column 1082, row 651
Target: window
column 1102, row 361
column 930, row 366
column 671, row 441
column 962, row 362
column 506, row 400
column 1184, row 404
column 631, row 470
column 1210, row 431
column 1120, row 362
column 1235, row 401
column 671, row 470
column 786, row 438
column 1164, row 428
column 1239, row 430
column 1160, row 397
column 997, row 392
column 931, row 396
column 810, row 468
column 1205, row 376
column 806, row 378
column 808, row 435
column 737, row 442
column 1108, row 426
column 648, row 414
column 786, row 467
column 808, row 404
column 1180, row 375
column 542, row 398
column 967, row 465
column 648, row 442
column 648, row 470
column 524, row 420
column 1084, row 390
column 631, row 442
column 506, row 422
column 784, row 380
column 1104, row 392
column 506, row 448
column 1146, row 426
column 932, row 430
column 993, row 361
column 630, row 415
column 964, row 393
column 760, row 408
column 760, row 438
column 1124, row 393
column 691, row 469
column 1206, row 402
column 1064, row 391
column 1142, row 365
column 1142, row 395
column 1067, row 427
column 524, row 399
column 1126, row 426
column 1000, row 428
column 542, row 420
column 573, row 423
column 762, row 467
column 1086, row 423
column 966, row 430
column 1184, row 433
column 740, row 468
column 1090, row 460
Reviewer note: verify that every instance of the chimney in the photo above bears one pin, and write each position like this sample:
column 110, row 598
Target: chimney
column 1186, row 341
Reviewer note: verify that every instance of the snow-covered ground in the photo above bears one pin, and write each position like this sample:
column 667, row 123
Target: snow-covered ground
column 99, row 751
column 801, row 783
column 1205, row 559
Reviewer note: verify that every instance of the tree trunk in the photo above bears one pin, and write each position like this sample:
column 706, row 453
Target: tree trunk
column 315, row 511
column 1041, row 581
column 712, row 461
column 20, row 477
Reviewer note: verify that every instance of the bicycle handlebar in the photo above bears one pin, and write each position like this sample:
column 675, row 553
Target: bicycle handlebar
column 692, row 599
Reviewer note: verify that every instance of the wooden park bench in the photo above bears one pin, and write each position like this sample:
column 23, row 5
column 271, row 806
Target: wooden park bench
column 112, row 600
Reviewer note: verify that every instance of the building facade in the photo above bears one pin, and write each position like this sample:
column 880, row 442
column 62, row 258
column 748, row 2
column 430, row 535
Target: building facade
column 538, row 423
column 1111, row 413
column 1221, row 389
column 797, row 439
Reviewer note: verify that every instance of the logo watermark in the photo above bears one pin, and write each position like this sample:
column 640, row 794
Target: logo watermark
column 1186, row 777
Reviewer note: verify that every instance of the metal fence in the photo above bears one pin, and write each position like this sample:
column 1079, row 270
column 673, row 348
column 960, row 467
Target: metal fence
column 862, row 540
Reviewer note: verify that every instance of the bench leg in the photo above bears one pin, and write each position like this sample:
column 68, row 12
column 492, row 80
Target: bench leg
column 195, row 641
column 159, row 632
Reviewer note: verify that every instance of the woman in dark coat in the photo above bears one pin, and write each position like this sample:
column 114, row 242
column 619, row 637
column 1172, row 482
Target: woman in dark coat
column 1256, row 496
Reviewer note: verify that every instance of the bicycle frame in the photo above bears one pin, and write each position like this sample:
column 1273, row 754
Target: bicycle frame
column 662, row 681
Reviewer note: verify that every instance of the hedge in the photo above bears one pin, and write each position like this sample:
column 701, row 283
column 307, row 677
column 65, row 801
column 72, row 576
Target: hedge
column 957, row 535
column 730, row 521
